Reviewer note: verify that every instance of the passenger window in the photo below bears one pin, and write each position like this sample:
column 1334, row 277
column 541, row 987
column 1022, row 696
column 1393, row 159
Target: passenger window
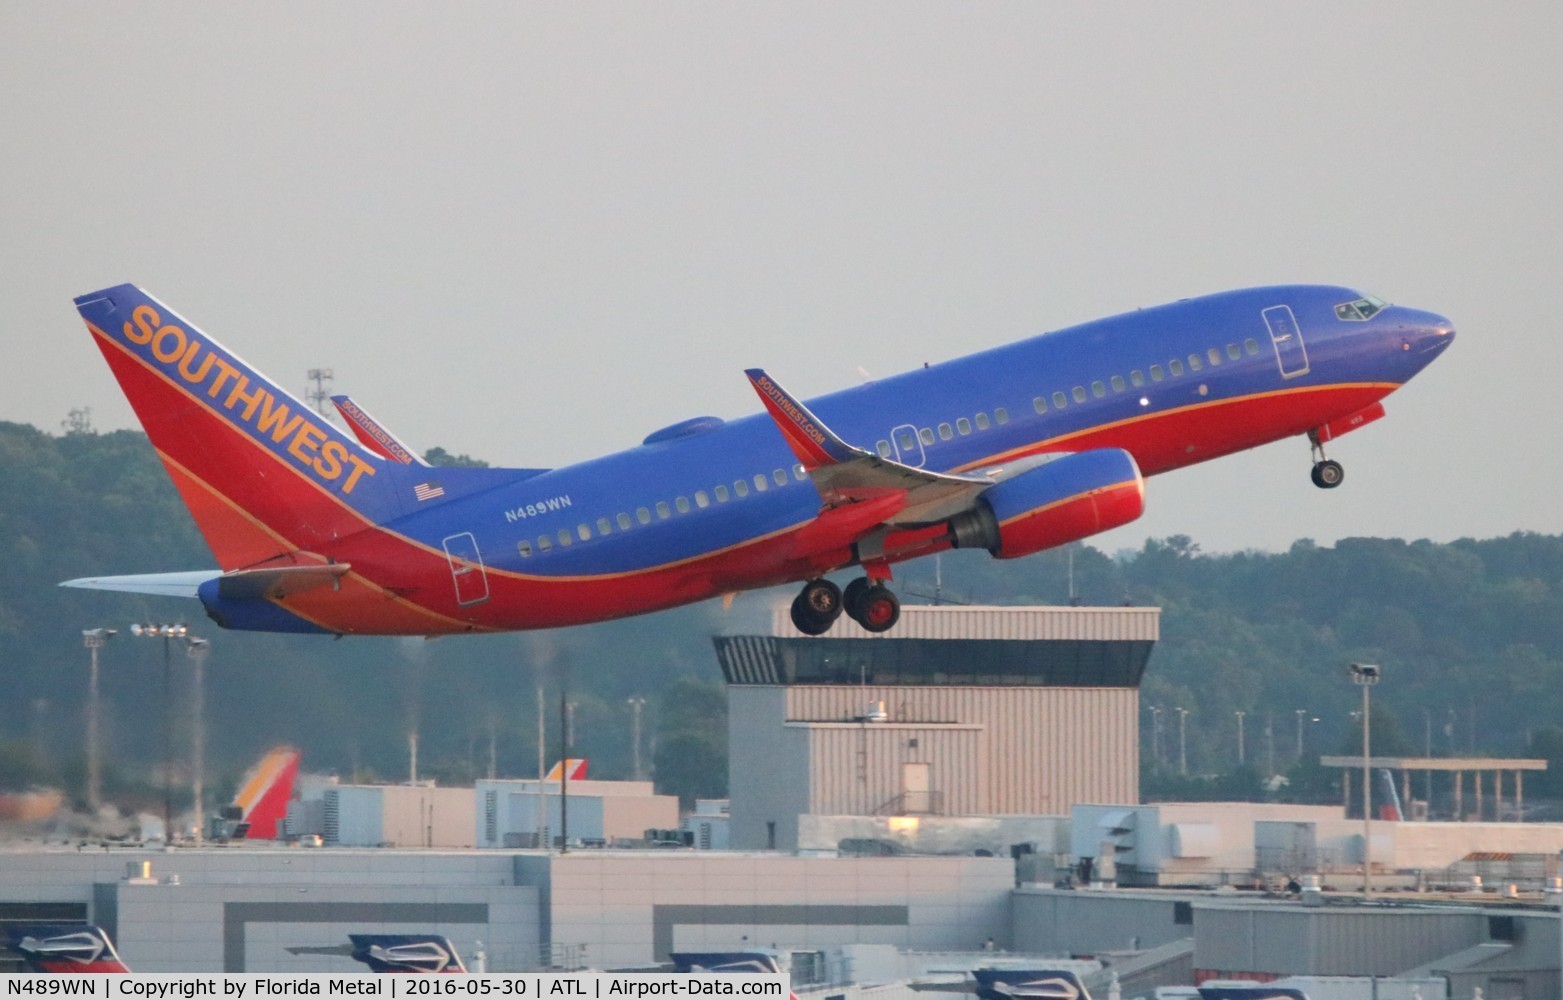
column 1156, row 375
column 1194, row 363
column 642, row 515
column 585, row 531
column 760, row 483
column 1251, row 346
column 926, row 435
column 1060, row 400
column 982, row 421
column 565, row 538
column 741, row 486
column 1137, row 378
column 906, row 439
column 1234, row 352
column 544, row 543
column 799, row 473
column 1118, row 384
column 682, row 503
column 1214, row 354
column 721, row 494
column 525, row 548
column 603, row 527
column 1098, row 389
column 946, row 432
column 1176, row 366
column 884, row 449
column 963, row 426
column 702, row 500
column 1001, row 415
column 780, row 475
column 662, row 510
column 1039, row 403
column 1079, row 393
column 624, row 522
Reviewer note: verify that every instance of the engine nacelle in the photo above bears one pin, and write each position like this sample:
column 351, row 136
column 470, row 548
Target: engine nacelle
column 1067, row 499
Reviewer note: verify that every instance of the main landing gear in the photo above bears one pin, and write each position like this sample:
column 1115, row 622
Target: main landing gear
column 867, row 602
column 1327, row 473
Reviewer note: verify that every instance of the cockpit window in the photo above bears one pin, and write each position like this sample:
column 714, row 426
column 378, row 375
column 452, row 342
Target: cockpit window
column 1361, row 310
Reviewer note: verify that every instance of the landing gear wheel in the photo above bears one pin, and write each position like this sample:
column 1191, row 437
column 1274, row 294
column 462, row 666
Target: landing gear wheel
column 1328, row 474
column 878, row 609
column 816, row 607
column 853, row 594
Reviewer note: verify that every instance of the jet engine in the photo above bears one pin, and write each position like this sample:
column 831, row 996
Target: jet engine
column 1069, row 498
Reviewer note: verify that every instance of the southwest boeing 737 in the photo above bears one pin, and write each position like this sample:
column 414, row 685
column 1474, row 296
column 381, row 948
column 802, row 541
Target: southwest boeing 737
column 1013, row 450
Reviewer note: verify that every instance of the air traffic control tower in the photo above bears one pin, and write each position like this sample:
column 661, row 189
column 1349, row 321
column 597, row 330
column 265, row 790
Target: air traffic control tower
column 957, row 713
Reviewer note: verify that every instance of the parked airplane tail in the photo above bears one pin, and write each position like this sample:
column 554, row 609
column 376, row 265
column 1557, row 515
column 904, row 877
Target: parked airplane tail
column 421, row 953
column 1389, row 797
column 577, row 768
column 261, row 803
column 1034, row 984
column 65, row 948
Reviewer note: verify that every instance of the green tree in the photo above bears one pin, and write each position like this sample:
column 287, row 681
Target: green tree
column 439, row 456
column 691, row 755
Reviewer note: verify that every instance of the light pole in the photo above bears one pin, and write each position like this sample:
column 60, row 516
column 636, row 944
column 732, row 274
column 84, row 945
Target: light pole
column 94, row 639
column 1156, row 732
column 1365, row 675
column 1300, row 712
column 167, row 633
column 1240, row 751
column 198, row 649
column 636, row 704
column 1183, row 740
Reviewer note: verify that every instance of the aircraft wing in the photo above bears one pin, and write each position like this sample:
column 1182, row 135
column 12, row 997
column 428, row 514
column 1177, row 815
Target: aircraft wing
column 846, row 475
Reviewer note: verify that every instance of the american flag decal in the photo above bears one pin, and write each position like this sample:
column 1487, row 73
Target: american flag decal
column 428, row 491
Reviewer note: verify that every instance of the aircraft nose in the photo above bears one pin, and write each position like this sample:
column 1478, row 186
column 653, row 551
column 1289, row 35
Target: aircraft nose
column 1427, row 336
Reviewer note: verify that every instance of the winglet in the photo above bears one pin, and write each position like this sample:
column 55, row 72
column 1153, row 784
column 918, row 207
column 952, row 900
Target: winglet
column 810, row 440
column 374, row 435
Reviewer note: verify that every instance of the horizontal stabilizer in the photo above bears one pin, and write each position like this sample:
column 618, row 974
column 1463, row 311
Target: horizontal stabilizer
column 163, row 584
column 278, row 581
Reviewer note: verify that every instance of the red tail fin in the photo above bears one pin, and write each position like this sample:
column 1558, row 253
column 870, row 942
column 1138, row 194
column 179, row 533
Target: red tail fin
column 262, row 473
column 263, row 797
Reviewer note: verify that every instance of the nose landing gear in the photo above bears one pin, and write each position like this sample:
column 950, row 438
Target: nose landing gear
column 1327, row 473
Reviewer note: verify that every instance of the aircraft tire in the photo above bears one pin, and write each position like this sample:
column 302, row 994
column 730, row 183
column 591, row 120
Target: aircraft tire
column 878, row 609
column 852, row 596
column 816, row 607
column 1328, row 474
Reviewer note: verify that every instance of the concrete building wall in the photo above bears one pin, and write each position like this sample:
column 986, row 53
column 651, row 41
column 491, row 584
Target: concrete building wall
column 1180, row 842
column 621, row 909
column 1059, row 745
column 1329, row 941
column 359, row 816
column 240, row 909
column 1051, row 921
column 859, row 768
column 423, row 816
column 629, row 819
column 768, row 770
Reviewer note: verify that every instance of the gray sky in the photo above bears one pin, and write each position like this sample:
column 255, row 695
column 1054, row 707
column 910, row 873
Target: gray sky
column 536, row 232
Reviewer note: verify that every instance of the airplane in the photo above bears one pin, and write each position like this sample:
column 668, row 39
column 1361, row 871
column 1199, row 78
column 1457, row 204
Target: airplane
column 420, row 953
column 261, row 803
column 65, row 948
column 1015, row 449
